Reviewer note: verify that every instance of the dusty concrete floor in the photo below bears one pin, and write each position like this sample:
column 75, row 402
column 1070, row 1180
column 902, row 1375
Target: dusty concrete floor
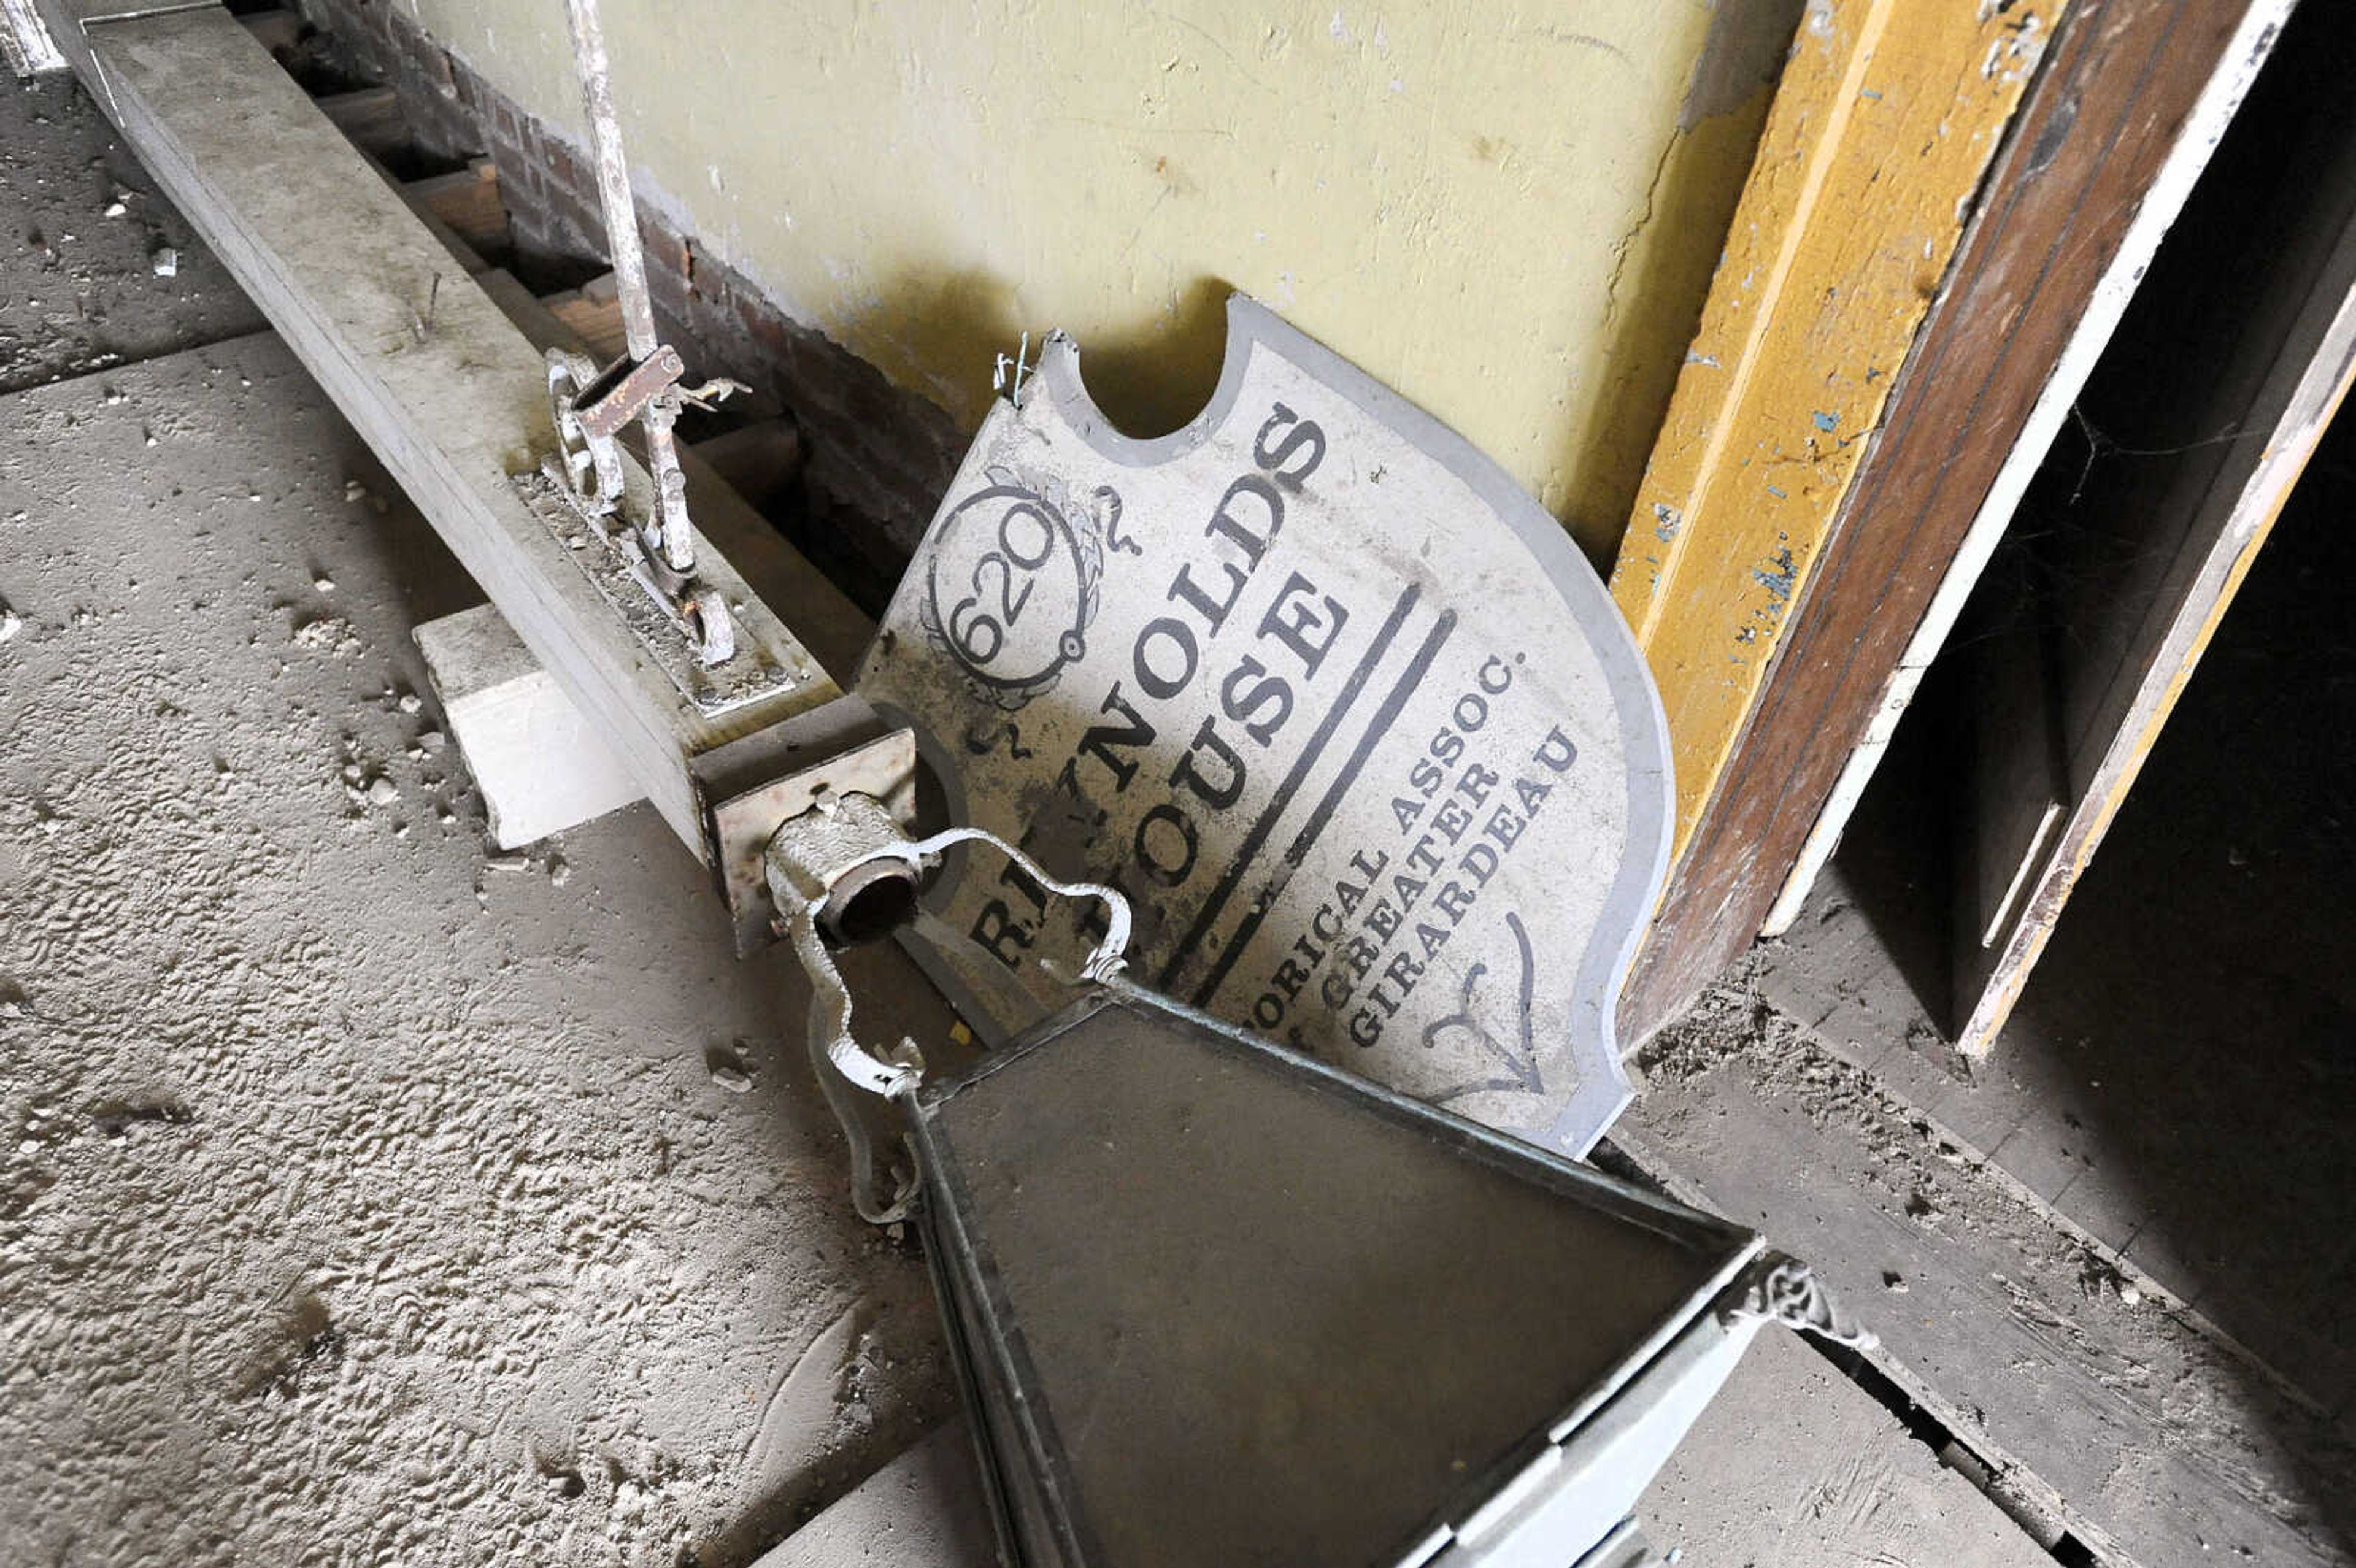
column 372, row 1197
column 82, row 231
column 401, row 1164
column 367, row 1195
column 365, row 1186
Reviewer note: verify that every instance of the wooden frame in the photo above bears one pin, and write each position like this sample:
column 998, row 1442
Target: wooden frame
column 2153, row 217
column 2242, row 352
column 2125, row 85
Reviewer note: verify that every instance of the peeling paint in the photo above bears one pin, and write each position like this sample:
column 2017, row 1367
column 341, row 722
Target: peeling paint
column 1778, row 578
column 1846, row 230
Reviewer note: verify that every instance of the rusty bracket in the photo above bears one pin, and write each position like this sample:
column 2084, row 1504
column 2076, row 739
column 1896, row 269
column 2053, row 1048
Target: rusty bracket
column 624, row 391
column 592, row 406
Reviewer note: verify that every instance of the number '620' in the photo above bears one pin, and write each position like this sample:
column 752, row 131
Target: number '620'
column 1006, row 586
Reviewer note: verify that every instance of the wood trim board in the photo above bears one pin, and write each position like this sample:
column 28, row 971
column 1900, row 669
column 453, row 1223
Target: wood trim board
column 2120, row 84
column 2157, row 212
column 1887, row 118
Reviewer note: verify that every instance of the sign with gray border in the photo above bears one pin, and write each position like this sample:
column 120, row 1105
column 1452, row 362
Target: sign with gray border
column 1332, row 699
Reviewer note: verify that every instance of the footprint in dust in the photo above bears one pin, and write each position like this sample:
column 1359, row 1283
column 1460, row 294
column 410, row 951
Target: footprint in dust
column 309, row 1339
column 113, row 1119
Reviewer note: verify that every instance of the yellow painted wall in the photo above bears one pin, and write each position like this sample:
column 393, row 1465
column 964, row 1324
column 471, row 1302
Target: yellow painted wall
column 1508, row 211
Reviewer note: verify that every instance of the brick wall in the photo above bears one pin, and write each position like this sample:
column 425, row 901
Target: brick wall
column 877, row 458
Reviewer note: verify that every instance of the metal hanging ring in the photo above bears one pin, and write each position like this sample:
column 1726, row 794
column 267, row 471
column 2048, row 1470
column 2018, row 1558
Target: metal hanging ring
column 592, row 464
column 1110, row 954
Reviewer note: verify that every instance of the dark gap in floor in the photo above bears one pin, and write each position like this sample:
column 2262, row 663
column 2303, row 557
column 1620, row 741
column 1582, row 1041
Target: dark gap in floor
column 1920, row 1425
column 2075, row 1553
column 1952, row 1451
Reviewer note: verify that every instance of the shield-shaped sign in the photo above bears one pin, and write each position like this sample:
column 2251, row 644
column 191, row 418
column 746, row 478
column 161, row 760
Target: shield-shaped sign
column 1331, row 698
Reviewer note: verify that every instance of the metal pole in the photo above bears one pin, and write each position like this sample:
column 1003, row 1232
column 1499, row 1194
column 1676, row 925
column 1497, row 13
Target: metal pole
column 672, row 533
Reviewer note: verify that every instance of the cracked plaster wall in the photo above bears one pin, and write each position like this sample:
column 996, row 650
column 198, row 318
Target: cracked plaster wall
column 1510, row 213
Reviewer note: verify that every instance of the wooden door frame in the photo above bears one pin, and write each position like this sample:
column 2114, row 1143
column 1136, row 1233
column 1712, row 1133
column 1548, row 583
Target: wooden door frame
column 2126, row 87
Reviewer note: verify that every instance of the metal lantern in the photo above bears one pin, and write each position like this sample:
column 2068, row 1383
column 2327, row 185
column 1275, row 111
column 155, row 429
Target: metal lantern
column 1215, row 1302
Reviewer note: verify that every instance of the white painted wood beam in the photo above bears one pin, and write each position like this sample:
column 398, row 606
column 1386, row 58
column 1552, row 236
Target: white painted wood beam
column 419, row 358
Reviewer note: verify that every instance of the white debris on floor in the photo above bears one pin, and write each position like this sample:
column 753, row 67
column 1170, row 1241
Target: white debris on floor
column 79, row 290
column 359, row 1204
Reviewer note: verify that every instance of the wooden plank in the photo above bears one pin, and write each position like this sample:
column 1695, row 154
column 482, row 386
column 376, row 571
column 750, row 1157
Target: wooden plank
column 421, row 361
column 370, row 119
column 2125, row 83
column 1886, row 121
column 539, row 764
column 467, row 200
column 2152, row 1444
column 2159, row 555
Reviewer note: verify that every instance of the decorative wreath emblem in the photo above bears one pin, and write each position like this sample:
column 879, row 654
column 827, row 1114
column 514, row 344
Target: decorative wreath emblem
column 1013, row 582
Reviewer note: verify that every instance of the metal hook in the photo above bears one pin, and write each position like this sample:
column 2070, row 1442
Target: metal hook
column 803, row 895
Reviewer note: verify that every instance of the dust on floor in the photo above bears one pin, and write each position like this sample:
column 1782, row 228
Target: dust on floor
column 2040, row 1350
column 96, row 269
column 371, row 1197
